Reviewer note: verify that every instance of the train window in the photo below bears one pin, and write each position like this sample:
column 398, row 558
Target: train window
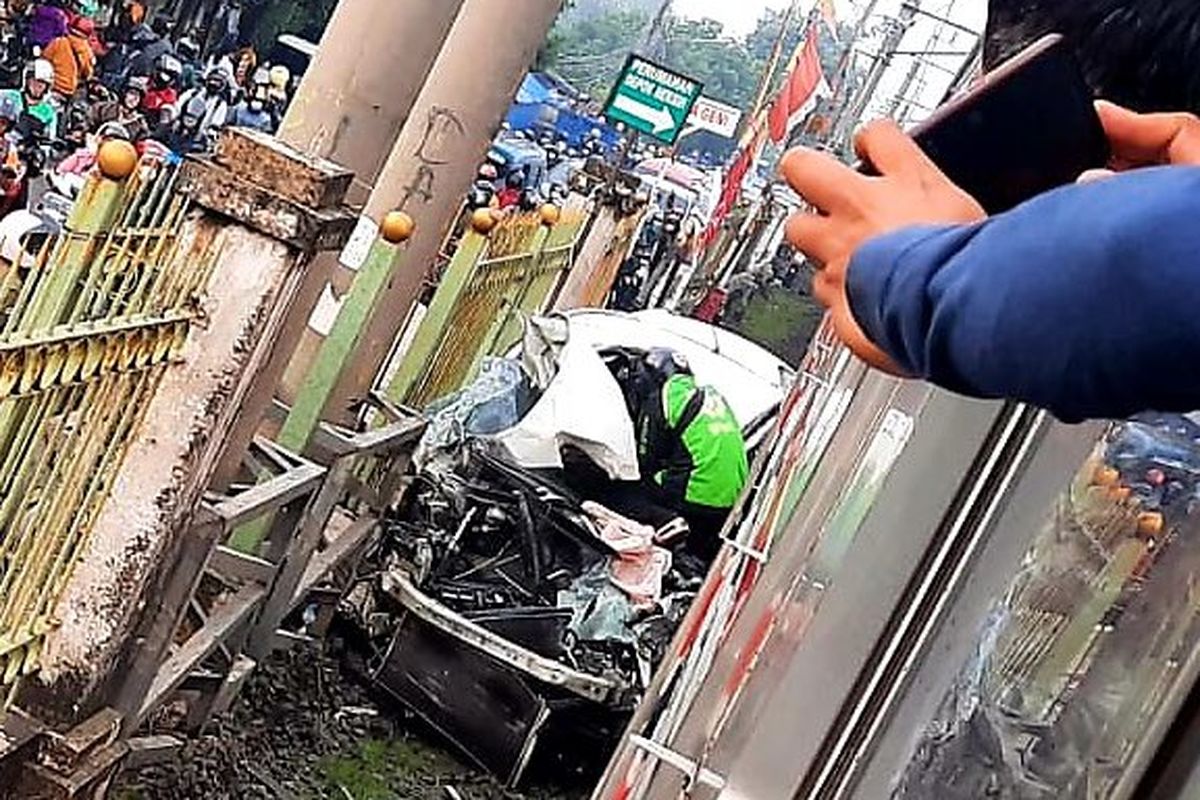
column 1097, row 634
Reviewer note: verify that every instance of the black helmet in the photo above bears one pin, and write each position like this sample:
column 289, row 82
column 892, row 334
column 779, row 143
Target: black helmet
column 188, row 48
column 662, row 364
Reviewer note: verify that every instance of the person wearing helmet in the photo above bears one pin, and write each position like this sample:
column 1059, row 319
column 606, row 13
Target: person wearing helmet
column 164, row 84
column 185, row 135
column 514, row 187
column 35, row 98
column 72, row 57
column 240, row 65
column 278, row 95
column 80, row 163
column 146, row 49
column 691, row 451
column 127, row 110
column 253, row 112
column 188, row 53
column 213, row 96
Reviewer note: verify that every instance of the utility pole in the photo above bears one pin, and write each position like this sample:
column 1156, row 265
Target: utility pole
column 768, row 76
column 654, row 42
column 854, row 110
column 359, row 89
column 487, row 53
column 357, row 92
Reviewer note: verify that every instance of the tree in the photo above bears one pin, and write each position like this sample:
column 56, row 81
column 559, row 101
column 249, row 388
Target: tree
column 590, row 52
column 700, row 49
column 264, row 20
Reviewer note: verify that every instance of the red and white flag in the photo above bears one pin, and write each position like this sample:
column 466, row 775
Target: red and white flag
column 804, row 86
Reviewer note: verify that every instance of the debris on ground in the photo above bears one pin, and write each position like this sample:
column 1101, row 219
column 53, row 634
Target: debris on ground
column 305, row 729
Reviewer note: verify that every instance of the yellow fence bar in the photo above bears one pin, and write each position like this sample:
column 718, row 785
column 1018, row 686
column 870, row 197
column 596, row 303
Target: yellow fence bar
column 89, row 323
column 496, row 278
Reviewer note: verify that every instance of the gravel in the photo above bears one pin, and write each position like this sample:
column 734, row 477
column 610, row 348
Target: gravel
column 304, row 729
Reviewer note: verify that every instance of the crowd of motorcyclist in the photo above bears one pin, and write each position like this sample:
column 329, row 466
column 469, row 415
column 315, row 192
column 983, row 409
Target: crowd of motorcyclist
column 548, row 175
column 74, row 74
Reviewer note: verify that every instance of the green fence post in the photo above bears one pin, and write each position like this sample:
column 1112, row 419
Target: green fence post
column 342, row 341
column 336, row 350
column 95, row 212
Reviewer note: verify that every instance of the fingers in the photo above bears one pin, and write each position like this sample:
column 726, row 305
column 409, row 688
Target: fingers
column 830, row 291
column 883, row 145
column 1095, row 176
column 1150, row 139
column 827, row 290
column 819, row 178
column 814, row 236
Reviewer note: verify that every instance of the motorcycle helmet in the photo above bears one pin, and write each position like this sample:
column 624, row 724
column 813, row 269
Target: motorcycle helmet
column 10, row 110
column 168, row 70
column 663, row 364
column 188, row 49
column 41, row 71
column 217, row 81
column 137, row 86
column 114, row 130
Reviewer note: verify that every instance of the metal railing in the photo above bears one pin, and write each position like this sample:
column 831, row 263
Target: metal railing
column 89, row 323
column 493, row 280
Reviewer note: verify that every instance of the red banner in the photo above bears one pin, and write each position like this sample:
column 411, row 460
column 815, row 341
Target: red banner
column 802, row 83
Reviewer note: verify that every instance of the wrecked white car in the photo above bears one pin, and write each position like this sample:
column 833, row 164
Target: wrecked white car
column 505, row 605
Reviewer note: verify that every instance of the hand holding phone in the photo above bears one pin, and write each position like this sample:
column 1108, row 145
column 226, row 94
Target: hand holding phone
column 1026, row 128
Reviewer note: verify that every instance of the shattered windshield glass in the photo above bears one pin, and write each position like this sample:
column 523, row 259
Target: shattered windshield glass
column 1079, row 656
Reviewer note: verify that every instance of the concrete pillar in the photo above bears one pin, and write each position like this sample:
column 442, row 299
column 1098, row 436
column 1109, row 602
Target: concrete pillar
column 355, row 96
column 491, row 46
column 256, row 228
column 362, row 83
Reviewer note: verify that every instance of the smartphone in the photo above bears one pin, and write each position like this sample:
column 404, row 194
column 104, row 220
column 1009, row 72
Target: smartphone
column 1027, row 127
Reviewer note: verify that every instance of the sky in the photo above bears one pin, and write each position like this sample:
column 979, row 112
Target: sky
column 908, row 90
column 739, row 17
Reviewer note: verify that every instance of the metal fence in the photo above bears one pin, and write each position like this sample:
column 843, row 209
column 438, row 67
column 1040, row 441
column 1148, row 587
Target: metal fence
column 89, row 322
column 492, row 282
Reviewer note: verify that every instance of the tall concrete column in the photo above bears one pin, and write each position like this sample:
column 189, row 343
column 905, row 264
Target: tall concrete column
column 358, row 91
column 491, row 46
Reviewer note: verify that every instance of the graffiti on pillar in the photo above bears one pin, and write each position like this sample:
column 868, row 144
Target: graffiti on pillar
column 442, row 127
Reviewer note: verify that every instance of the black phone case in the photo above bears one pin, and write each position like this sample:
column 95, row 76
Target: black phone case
column 1026, row 128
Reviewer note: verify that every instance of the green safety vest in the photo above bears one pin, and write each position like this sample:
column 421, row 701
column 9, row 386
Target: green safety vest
column 711, row 457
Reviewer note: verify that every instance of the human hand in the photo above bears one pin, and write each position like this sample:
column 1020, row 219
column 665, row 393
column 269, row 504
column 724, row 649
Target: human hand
column 852, row 208
column 1146, row 140
column 1149, row 140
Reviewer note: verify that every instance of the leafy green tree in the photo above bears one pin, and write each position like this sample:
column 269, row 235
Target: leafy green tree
column 590, row 52
column 701, row 49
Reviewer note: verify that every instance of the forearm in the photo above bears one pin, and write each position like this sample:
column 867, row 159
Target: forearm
column 1085, row 301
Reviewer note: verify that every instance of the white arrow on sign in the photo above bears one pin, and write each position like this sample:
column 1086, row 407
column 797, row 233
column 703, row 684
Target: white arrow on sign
column 660, row 118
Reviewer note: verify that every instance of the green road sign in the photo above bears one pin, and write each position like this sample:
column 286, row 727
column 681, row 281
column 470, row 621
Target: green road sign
column 652, row 99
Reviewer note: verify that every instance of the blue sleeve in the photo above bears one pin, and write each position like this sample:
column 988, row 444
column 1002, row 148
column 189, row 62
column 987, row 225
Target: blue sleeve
column 1084, row 301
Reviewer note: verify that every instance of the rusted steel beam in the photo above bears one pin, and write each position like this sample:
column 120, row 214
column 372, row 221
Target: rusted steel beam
column 322, row 564
column 229, row 563
column 224, row 620
column 268, row 496
column 310, row 181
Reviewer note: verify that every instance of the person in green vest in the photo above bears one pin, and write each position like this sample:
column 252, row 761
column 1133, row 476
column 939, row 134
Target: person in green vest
column 34, row 96
column 691, row 450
